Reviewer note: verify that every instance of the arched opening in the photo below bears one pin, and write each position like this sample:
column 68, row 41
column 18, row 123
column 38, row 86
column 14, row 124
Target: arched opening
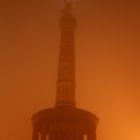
column 39, row 136
column 85, row 137
column 47, row 137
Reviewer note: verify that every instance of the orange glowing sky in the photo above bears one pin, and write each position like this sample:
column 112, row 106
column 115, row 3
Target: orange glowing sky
column 107, row 58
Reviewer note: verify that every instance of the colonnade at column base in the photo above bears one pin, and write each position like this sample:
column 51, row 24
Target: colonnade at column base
column 64, row 123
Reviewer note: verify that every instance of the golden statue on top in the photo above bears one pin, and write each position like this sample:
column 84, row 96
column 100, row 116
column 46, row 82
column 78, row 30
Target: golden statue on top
column 68, row 5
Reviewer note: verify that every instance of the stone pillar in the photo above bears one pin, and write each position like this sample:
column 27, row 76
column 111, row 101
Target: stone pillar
column 35, row 135
column 43, row 136
column 92, row 133
column 80, row 136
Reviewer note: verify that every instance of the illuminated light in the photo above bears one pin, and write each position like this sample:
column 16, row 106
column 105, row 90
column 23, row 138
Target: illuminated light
column 85, row 137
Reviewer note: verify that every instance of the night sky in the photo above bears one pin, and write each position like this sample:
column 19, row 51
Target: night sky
column 107, row 64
